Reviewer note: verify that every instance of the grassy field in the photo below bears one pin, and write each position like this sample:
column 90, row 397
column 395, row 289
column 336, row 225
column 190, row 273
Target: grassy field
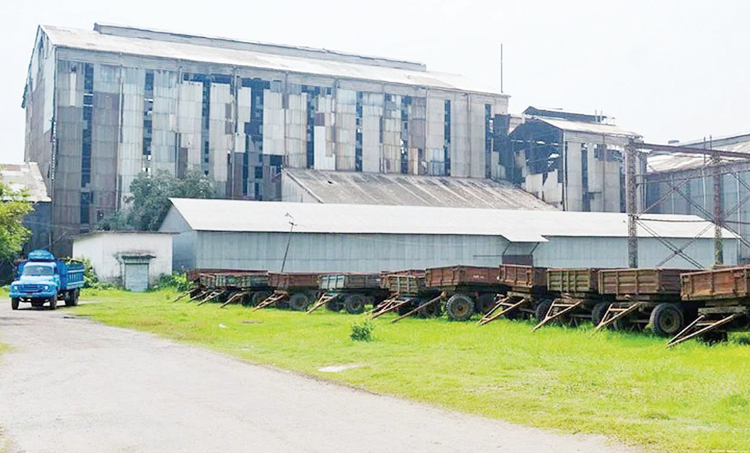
column 627, row 386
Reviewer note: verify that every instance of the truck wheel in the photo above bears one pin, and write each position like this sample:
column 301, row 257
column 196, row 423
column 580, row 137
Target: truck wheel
column 71, row 298
column 459, row 307
column 541, row 309
column 667, row 320
column 53, row 302
column 597, row 314
column 299, row 301
column 354, row 303
column 14, row 303
column 76, row 294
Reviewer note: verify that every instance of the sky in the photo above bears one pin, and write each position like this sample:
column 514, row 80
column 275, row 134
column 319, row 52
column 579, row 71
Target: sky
column 666, row 69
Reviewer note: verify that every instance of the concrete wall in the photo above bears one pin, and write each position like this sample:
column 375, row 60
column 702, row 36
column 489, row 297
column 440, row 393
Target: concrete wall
column 105, row 250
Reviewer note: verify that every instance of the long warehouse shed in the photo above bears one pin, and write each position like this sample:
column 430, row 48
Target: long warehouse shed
column 367, row 238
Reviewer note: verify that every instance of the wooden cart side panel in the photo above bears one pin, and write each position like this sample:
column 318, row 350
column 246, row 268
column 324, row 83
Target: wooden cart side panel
column 348, row 281
column 573, row 280
column 639, row 281
column 293, row 280
column 519, row 276
column 461, row 275
column 716, row 284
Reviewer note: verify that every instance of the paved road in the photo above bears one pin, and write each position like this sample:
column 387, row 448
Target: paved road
column 71, row 385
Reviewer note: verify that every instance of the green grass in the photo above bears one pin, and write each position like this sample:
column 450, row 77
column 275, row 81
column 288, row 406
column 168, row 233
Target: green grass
column 627, row 386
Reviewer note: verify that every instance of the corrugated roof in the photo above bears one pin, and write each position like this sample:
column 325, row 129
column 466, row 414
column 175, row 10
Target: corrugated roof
column 26, row 176
column 94, row 41
column 658, row 163
column 410, row 190
column 514, row 225
column 591, row 128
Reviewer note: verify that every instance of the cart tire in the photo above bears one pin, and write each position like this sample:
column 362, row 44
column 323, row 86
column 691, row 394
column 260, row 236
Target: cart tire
column 76, row 294
column 354, row 304
column 541, row 309
column 14, row 303
column 259, row 296
column 485, row 302
column 667, row 320
column 71, row 298
column 597, row 314
column 335, row 305
column 53, row 302
column 434, row 310
column 627, row 324
column 460, row 307
column 299, row 301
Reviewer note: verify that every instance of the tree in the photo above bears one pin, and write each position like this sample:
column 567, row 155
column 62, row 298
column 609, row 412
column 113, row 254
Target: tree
column 151, row 194
column 14, row 206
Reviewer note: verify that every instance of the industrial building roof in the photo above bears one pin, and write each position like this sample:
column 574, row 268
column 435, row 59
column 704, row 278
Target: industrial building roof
column 411, row 190
column 658, row 163
column 514, row 225
column 586, row 127
column 28, row 177
column 199, row 51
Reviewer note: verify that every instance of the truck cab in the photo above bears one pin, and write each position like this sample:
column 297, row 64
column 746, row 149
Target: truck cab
column 44, row 279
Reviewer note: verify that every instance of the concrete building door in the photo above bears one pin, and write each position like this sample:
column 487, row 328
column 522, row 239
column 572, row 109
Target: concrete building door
column 136, row 277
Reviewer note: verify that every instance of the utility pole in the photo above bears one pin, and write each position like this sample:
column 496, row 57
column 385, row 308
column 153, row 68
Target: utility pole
column 288, row 239
column 631, row 205
column 718, row 214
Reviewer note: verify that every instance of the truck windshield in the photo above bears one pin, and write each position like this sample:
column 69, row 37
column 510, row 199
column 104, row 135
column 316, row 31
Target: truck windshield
column 37, row 271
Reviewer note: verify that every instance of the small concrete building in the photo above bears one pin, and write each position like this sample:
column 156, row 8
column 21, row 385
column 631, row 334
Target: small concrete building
column 232, row 234
column 134, row 260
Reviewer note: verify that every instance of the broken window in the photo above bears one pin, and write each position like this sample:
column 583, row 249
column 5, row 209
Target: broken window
column 405, row 103
column 88, row 119
column 358, row 137
column 488, row 130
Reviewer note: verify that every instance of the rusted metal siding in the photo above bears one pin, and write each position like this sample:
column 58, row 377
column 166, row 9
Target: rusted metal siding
column 293, row 280
column 727, row 283
column 633, row 282
column 348, row 281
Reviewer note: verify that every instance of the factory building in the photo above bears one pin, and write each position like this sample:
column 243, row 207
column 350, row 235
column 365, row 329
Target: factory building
column 571, row 160
column 103, row 106
column 307, row 237
column 28, row 178
column 678, row 183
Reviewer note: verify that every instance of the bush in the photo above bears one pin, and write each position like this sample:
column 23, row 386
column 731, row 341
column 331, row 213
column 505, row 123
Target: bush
column 362, row 329
column 177, row 281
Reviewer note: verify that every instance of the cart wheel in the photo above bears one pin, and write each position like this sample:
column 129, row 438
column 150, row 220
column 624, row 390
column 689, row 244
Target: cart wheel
column 667, row 320
column 354, row 303
column 259, row 296
column 334, row 305
column 541, row 309
column 431, row 311
column 14, row 303
column 485, row 302
column 406, row 308
column 459, row 307
column 627, row 324
column 299, row 301
column 597, row 314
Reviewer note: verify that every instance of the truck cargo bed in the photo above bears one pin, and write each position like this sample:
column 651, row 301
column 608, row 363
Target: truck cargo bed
column 523, row 277
column 290, row 280
column 334, row 282
column 573, row 280
column 716, row 284
column 452, row 276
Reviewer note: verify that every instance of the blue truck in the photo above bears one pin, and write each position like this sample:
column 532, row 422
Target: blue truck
column 42, row 278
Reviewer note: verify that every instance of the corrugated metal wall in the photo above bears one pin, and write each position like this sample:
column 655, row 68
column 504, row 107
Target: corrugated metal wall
column 376, row 252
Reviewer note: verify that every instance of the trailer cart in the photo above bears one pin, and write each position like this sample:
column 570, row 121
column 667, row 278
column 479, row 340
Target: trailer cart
column 408, row 295
column 642, row 297
column 468, row 289
column 578, row 298
column 527, row 293
column 293, row 290
column 724, row 298
column 351, row 292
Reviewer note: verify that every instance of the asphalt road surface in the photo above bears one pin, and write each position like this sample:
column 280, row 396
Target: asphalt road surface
column 72, row 385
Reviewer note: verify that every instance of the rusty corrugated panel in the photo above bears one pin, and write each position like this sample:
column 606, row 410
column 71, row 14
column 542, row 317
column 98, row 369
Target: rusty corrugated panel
column 461, row 275
column 290, row 280
column 333, row 282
